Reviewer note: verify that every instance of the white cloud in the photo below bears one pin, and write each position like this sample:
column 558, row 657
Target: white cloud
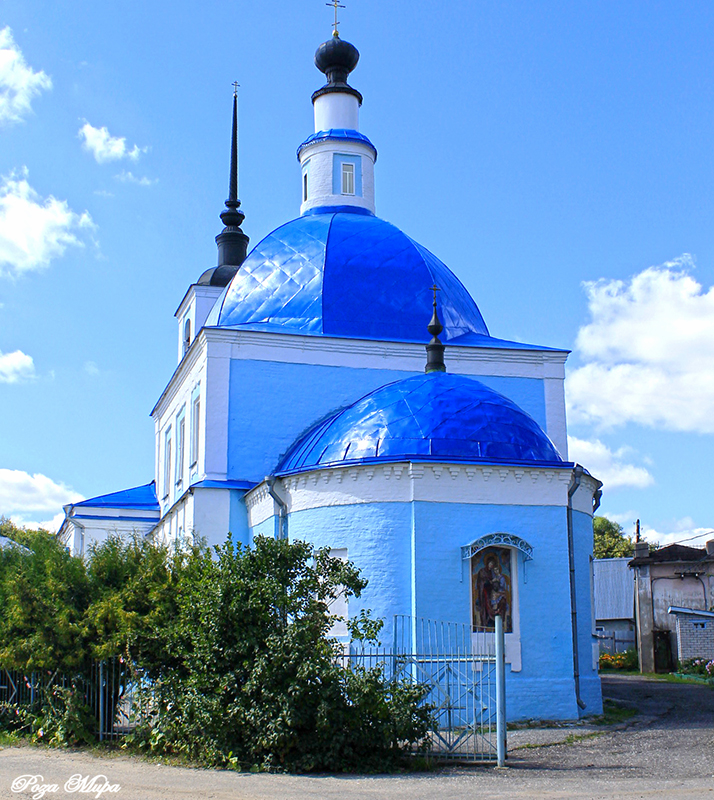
column 105, row 147
column 19, row 83
column 25, row 498
column 34, row 230
column 608, row 465
column 128, row 177
column 648, row 352
column 91, row 368
column 16, row 367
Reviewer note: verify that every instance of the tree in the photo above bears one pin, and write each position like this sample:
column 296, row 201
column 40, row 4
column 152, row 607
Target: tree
column 43, row 598
column 245, row 671
column 610, row 540
column 231, row 644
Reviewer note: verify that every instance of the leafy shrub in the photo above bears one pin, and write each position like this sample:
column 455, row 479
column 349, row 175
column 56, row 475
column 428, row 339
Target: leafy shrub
column 65, row 718
column 627, row 660
column 254, row 680
column 234, row 644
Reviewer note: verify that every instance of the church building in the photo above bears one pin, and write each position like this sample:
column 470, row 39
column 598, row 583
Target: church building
column 338, row 384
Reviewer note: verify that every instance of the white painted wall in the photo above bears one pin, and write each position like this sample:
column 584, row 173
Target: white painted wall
column 404, row 482
column 191, row 373
column 320, row 178
column 194, row 308
column 336, row 110
column 78, row 535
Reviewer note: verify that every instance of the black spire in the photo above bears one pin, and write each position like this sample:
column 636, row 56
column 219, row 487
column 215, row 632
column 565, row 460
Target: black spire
column 232, row 242
column 435, row 349
column 336, row 58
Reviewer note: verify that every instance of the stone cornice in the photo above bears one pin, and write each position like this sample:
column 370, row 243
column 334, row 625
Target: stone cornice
column 406, row 481
column 196, row 351
column 332, row 351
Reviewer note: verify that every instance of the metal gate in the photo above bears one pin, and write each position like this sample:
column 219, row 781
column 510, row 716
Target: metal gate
column 464, row 673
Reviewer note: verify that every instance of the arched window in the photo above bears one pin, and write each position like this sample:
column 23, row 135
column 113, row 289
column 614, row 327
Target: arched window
column 186, row 335
column 495, row 562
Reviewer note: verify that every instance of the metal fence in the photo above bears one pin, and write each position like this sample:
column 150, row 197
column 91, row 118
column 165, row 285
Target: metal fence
column 462, row 670
column 110, row 691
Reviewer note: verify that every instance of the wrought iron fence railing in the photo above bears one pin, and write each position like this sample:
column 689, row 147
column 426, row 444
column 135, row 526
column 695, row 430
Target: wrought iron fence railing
column 461, row 670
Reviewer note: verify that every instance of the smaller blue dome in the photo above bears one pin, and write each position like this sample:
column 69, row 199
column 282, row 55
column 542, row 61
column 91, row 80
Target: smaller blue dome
column 339, row 135
column 433, row 417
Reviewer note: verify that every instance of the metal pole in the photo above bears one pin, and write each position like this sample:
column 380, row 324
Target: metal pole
column 101, row 701
column 500, row 693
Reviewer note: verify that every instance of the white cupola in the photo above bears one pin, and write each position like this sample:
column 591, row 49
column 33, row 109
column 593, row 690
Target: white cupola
column 337, row 161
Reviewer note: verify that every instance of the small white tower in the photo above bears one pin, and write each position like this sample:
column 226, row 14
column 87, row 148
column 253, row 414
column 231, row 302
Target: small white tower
column 337, row 160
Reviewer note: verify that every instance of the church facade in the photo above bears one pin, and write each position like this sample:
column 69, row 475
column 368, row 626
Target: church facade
column 304, row 405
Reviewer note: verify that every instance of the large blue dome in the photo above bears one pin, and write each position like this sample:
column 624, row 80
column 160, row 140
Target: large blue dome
column 344, row 272
column 432, row 417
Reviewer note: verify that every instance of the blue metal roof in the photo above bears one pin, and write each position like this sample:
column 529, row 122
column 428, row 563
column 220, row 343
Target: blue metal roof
column 139, row 497
column 345, row 273
column 338, row 134
column 433, row 417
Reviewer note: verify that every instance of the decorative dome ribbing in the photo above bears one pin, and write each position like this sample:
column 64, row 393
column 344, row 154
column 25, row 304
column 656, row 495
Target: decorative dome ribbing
column 433, row 417
column 344, row 273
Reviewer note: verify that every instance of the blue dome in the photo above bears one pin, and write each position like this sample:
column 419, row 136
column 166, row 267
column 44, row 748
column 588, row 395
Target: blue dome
column 432, row 417
column 342, row 272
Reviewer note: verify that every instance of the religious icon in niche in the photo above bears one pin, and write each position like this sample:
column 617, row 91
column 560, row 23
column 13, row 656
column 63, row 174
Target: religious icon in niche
column 491, row 588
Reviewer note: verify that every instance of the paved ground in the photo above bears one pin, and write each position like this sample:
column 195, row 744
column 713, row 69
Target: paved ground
column 666, row 752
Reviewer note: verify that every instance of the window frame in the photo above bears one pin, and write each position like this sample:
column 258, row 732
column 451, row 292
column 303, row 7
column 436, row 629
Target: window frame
column 167, row 462
column 347, row 178
column 180, row 446
column 195, row 442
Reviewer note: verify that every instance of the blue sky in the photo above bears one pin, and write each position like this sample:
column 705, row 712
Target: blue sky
column 558, row 157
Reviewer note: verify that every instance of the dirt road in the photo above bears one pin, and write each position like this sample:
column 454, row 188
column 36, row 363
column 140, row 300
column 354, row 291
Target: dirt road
column 666, row 752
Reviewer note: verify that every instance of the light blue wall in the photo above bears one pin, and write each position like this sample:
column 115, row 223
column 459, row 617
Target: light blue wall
column 338, row 159
column 238, row 518
column 378, row 538
column 590, row 691
column 268, row 527
column 299, row 395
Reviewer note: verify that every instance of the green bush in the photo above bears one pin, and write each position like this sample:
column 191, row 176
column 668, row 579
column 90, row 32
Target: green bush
column 254, row 678
column 234, row 643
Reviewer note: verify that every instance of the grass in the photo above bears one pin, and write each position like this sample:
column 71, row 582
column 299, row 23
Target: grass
column 571, row 738
column 614, row 713
column 11, row 739
column 667, row 677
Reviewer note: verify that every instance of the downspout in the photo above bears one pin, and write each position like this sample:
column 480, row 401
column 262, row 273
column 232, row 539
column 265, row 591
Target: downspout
column 596, row 499
column 574, row 486
column 282, row 507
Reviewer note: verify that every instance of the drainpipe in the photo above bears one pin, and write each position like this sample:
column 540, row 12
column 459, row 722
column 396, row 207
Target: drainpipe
column 596, row 499
column 271, row 480
column 574, row 486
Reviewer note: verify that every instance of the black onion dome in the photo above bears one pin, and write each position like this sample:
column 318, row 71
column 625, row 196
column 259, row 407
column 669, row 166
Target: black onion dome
column 336, row 58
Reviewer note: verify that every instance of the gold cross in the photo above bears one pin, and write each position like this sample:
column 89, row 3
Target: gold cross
column 235, row 86
column 435, row 289
column 336, row 5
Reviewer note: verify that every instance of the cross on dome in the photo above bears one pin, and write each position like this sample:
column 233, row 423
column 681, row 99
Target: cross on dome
column 336, row 5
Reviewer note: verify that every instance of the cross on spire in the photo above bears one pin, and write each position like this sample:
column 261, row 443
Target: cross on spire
column 235, row 86
column 435, row 289
column 335, row 4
